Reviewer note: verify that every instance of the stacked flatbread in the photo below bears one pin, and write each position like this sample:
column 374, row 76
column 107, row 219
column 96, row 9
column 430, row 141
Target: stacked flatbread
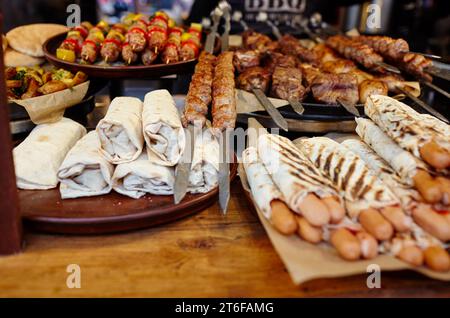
column 24, row 43
column 163, row 132
column 114, row 156
column 38, row 158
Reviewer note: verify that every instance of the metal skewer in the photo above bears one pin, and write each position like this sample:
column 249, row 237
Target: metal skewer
column 431, row 56
column 424, row 105
column 224, row 164
column 439, row 69
column 271, row 110
column 349, row 107
column 436, row 88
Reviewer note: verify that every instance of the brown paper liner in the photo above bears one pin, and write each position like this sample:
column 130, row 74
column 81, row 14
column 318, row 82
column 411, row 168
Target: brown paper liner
column 305, row 261
column 50, row 108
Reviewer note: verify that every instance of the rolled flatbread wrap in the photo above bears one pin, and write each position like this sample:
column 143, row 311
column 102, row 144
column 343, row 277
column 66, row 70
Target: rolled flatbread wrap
column 163, row 132
column 141, row 176
column 85, row 172
column 402, row 161
column 359, row 186
column 409, row 129
column 120, row 131
column 39, row 156
column 205, row 163
column 408, row 196
column 291, row 171
column 264, row 191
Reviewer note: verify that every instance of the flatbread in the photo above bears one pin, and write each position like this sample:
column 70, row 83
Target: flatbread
column 120, row 131
column 205, row 163
column 263, row 189
column 28, row 39
column 409, row 129
column 360, row 187
column 13, row 58
column 163, row 132
column 141, row 176
column 39, row 156
column 84, row 171
column 291, row 171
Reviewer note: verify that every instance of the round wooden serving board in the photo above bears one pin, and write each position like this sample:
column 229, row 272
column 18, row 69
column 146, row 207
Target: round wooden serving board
column 44, row 210
column 120, row 71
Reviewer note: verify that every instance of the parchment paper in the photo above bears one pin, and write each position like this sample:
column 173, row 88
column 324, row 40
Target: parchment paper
column 50, row 108
column 305, row 261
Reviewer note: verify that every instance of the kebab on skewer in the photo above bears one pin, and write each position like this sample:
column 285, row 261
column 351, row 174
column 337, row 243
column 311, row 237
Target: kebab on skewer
column 171, row 52
column 397, row 51
column 69, row 49
column 200, row 93
column 191, row 42
column 111, row 48
column 157, row 32
column 91, row 45
column 223, row 98
column 136, row 36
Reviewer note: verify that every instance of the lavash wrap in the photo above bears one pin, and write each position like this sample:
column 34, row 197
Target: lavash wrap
column 402, row 161
column 39, row 156
column 408, row 196
column 293, row 174
column 205, row 163
column 263, row 189
column 85, row 172
column 360, row 188
column 163, row 132
column 409, row 129
column 141, row 176
column 120, row 131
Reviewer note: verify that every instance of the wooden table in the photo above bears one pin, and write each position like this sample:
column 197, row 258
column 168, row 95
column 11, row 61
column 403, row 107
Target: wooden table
column 206, row 255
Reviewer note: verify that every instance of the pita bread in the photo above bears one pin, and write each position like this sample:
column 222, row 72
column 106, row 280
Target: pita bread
column 28, row 39
column 13, row 58
column 4, row 43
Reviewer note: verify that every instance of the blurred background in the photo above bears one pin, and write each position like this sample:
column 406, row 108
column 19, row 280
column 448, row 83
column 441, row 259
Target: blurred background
column 425, row 24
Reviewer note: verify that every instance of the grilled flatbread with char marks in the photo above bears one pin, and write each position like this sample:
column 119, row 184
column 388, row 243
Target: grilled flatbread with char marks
column 291, row 171
column 403, row 162
column 360, row 188
column 407, row 195
column 409, row 129
column 263, row 189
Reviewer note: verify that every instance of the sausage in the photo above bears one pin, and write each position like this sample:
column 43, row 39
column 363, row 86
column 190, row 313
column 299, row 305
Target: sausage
column 432, row 222
column 374, row 223
column 369, row 245
column 435, row 155
column 411, row 255
column 397, row 217
column 346, row 244
column 437, row 259
column 335, row 208
column 428, row 188
column 314, row 210
column 282, row 218
column 308, row 232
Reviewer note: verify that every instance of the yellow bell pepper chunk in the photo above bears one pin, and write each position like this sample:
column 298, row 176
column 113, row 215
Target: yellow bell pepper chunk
column 196, row 26
column 65, row 55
